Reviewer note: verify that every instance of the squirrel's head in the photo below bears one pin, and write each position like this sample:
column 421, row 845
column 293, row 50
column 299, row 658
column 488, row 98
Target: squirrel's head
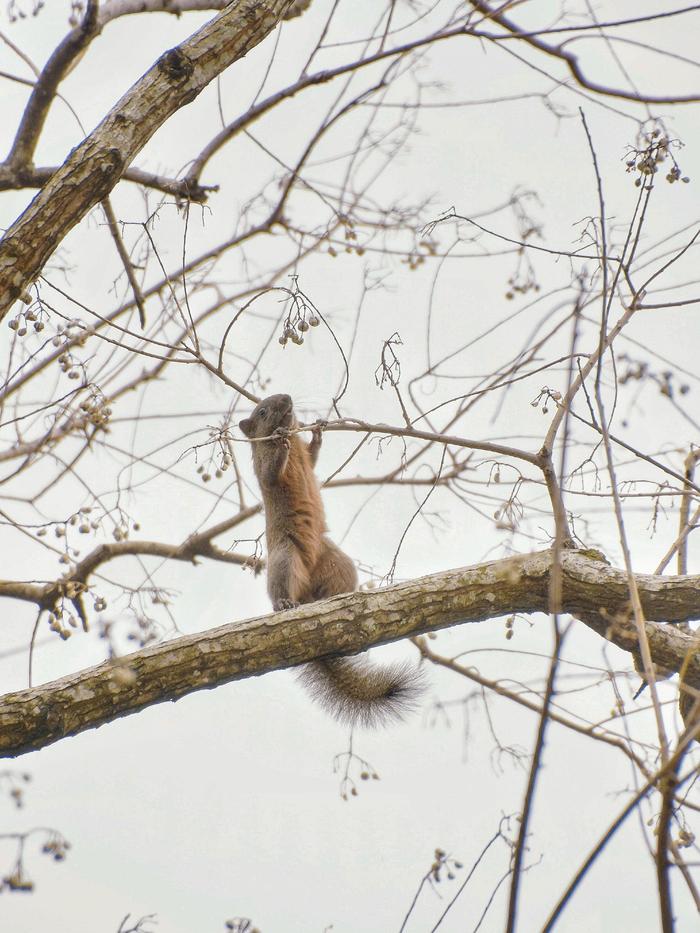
column 273, row 412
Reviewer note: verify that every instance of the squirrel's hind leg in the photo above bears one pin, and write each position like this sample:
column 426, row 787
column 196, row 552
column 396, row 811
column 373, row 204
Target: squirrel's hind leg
column 287, row 577
column 334, row 572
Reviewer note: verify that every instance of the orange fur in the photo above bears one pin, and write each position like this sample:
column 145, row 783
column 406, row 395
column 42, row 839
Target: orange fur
column 304, row 565
column 307, row 522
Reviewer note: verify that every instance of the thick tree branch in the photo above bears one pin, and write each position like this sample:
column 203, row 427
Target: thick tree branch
column 34, row 718
column 97, row 164
column 13, row 179
column 114, row 8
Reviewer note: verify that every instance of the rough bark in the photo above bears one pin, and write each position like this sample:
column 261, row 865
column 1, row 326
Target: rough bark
column 31, row 719
column 95, row 166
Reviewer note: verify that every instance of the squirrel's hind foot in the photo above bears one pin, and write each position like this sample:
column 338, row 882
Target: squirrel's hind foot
column 283, row 604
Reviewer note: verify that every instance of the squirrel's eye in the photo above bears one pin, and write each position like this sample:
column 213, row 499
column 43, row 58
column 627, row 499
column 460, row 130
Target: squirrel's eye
column 262, row 412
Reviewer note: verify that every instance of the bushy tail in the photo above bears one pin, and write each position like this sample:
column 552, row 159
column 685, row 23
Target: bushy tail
column 360, row 693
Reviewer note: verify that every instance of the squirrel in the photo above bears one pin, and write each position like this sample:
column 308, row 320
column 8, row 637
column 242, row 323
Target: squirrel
column 304, row 565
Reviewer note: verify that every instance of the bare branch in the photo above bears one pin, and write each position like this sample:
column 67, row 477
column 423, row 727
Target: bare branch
column 13, row 178
column 47, row 82
column 572, row 62
column 196, row 545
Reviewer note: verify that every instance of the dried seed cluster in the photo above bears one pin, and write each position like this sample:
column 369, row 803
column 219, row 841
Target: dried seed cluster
column 647, row 159
column 639, row 370
column 17, row 881
column 295, row 326
column 510, row 622
column 73, row 330
column 56, row 620
column 205, row 471
column 77, row 11
column 146, row 630
column 351, row 244
column 21, row 323
column 95, row 409
column 521, row 283
column 545, row 395
column 56, row 846
column 443, row 862
column 15, row 11
column 220, row 457
column 15, row 780
column 79, row 519
column 419, row 254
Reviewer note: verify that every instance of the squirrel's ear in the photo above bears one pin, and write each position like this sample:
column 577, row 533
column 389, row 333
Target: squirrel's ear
column 245, row 426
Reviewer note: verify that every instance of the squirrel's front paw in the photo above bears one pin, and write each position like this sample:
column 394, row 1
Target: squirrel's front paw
column 282, row 436
column 317, row 430
column 281, row 604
